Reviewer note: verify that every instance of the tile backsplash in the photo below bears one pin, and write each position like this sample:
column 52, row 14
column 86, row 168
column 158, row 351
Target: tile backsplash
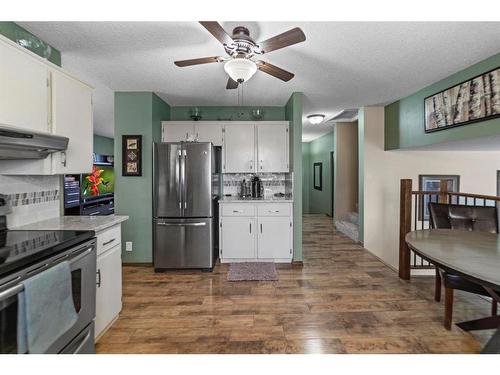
column 277, row 182
column 32, row 198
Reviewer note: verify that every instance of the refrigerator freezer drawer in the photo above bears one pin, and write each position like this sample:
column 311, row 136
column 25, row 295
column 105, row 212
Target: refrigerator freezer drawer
column 183, row 243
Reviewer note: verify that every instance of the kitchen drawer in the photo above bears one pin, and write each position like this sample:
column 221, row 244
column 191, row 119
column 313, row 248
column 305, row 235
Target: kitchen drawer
column 274, row 209
column 243, row 209
column 108, row 238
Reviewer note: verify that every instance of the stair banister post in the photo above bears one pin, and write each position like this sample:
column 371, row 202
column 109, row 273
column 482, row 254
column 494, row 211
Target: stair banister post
column 404, row 227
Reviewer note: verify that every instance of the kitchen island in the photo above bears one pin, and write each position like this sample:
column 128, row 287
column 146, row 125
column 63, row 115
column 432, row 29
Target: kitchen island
column 109, row 262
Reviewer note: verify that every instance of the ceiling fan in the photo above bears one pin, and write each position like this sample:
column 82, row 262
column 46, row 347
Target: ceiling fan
column 241, row 48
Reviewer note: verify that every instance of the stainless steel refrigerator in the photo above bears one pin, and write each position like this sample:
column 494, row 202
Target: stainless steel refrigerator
column 185, row 194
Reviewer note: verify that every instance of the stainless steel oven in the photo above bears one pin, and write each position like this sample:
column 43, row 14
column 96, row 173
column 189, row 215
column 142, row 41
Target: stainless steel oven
column 80, row 337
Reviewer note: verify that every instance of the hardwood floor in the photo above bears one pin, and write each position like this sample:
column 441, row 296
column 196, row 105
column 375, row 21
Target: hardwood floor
column 343, row 300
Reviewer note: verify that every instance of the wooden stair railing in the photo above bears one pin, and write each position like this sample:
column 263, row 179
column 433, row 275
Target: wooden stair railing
column 413, row 217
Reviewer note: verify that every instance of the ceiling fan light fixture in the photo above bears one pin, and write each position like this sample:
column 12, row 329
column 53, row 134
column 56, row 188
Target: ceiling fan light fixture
column 240, row 69
column 316, row 119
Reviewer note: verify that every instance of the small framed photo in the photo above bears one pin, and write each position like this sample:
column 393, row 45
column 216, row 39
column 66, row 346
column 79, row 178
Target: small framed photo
column 131, row 155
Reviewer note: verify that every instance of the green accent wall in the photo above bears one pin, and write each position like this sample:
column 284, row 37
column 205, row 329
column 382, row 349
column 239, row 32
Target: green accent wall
column 404, row 119
column 320, row 201
column 137, row 113
column 228, row 113
column 26, row 39
column 306, row 176
column 104, row 145
column 361, row 172
column 293, row 114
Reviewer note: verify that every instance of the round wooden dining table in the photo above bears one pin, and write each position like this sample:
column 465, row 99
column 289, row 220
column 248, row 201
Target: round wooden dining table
column 475, row 256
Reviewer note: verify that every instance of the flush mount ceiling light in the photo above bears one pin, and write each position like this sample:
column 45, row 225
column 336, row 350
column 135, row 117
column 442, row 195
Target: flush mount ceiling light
column 316, row 119
column 240, row 69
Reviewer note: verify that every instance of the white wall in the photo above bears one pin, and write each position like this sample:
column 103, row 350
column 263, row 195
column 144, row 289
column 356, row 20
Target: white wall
column 384, row 169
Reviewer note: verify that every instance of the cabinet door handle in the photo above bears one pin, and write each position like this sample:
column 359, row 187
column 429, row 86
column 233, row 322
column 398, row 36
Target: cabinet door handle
column 250, row 227
column 261, row 164
column 261, row 228
column 237, row 211
column 274, row 211
column 98, row 282
column 63, row 158
column 251, row 165
column 108, row 242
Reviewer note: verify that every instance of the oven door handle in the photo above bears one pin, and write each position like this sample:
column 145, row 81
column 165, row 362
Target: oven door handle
column 11, row 292
column 81, row 255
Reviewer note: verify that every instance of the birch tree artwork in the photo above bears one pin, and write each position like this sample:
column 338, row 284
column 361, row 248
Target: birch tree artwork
column 470, row 101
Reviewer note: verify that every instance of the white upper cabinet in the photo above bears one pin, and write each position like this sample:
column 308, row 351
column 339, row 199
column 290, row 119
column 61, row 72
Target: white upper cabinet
column 239, row 149
column 248, row 147
column 38, row 96
column 24, row 91
column 272, row 147
column 200, row 131
column 209, row 132
column 72, row 118
column 172, row 131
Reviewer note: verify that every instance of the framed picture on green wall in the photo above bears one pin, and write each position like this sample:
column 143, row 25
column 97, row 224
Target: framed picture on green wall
column 318, row 176
column 132, row 155
column 474, row 100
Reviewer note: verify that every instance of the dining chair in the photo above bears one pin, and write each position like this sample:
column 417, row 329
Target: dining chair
column 460, row 217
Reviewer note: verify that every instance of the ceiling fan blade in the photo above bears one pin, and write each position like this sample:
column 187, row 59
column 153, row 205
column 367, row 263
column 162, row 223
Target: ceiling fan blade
column 231, row 84
column 274, row 71
column 217, row 31
column 285, row 39
column 203, row 60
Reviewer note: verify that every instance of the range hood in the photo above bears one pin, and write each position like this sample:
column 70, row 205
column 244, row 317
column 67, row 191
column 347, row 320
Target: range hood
column 24, row 144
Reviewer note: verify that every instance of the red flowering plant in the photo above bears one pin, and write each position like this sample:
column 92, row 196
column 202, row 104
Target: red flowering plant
column 93, row 181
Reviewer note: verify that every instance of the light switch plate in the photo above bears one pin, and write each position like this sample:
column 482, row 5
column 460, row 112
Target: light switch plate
column 128, row 246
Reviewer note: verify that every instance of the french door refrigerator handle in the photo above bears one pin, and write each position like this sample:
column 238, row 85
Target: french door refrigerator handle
column 178, row 178
column 184, row 153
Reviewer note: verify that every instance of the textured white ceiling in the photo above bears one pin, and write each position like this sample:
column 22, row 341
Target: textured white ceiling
column 340, row 65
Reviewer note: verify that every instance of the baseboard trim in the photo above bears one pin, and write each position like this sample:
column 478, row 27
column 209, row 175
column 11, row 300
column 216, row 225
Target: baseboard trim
column 297, row 264
column 145, row 264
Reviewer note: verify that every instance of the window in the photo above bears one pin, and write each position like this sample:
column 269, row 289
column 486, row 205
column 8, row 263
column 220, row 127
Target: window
column 431, row 182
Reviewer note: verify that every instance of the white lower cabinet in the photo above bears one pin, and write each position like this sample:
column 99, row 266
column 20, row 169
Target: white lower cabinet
column 108, row 279
column 274, row 238
column 238, row 240
column 256, row 231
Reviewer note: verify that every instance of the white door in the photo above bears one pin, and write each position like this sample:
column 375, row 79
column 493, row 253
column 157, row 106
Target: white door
column 109, row 288
column 239, row 149
column 274, row 238
column 177, row 132
column 272, row 147
column 72, row 118
column 208, row 132
column 24, row 91
column 238, row 237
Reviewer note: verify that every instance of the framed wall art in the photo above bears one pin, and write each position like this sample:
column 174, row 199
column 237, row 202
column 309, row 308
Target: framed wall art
column 131, row 155
column 318, row 176
column 477, row 99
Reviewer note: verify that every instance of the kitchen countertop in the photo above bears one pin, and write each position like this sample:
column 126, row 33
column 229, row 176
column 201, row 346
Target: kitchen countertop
column 95, row 223
column 255, row 200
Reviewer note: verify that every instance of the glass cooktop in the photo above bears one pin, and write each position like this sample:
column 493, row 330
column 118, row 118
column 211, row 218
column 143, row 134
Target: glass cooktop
column 20, row 248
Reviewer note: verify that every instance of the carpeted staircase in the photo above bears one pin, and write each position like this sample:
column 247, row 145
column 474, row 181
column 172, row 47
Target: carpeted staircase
column 349, row 225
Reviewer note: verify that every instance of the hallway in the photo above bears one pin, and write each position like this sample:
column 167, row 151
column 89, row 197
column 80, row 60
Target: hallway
column 343, row 300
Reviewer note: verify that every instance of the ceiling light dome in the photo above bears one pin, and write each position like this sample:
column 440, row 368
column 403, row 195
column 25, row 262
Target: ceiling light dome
column 316, row 119
column 240, row 69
